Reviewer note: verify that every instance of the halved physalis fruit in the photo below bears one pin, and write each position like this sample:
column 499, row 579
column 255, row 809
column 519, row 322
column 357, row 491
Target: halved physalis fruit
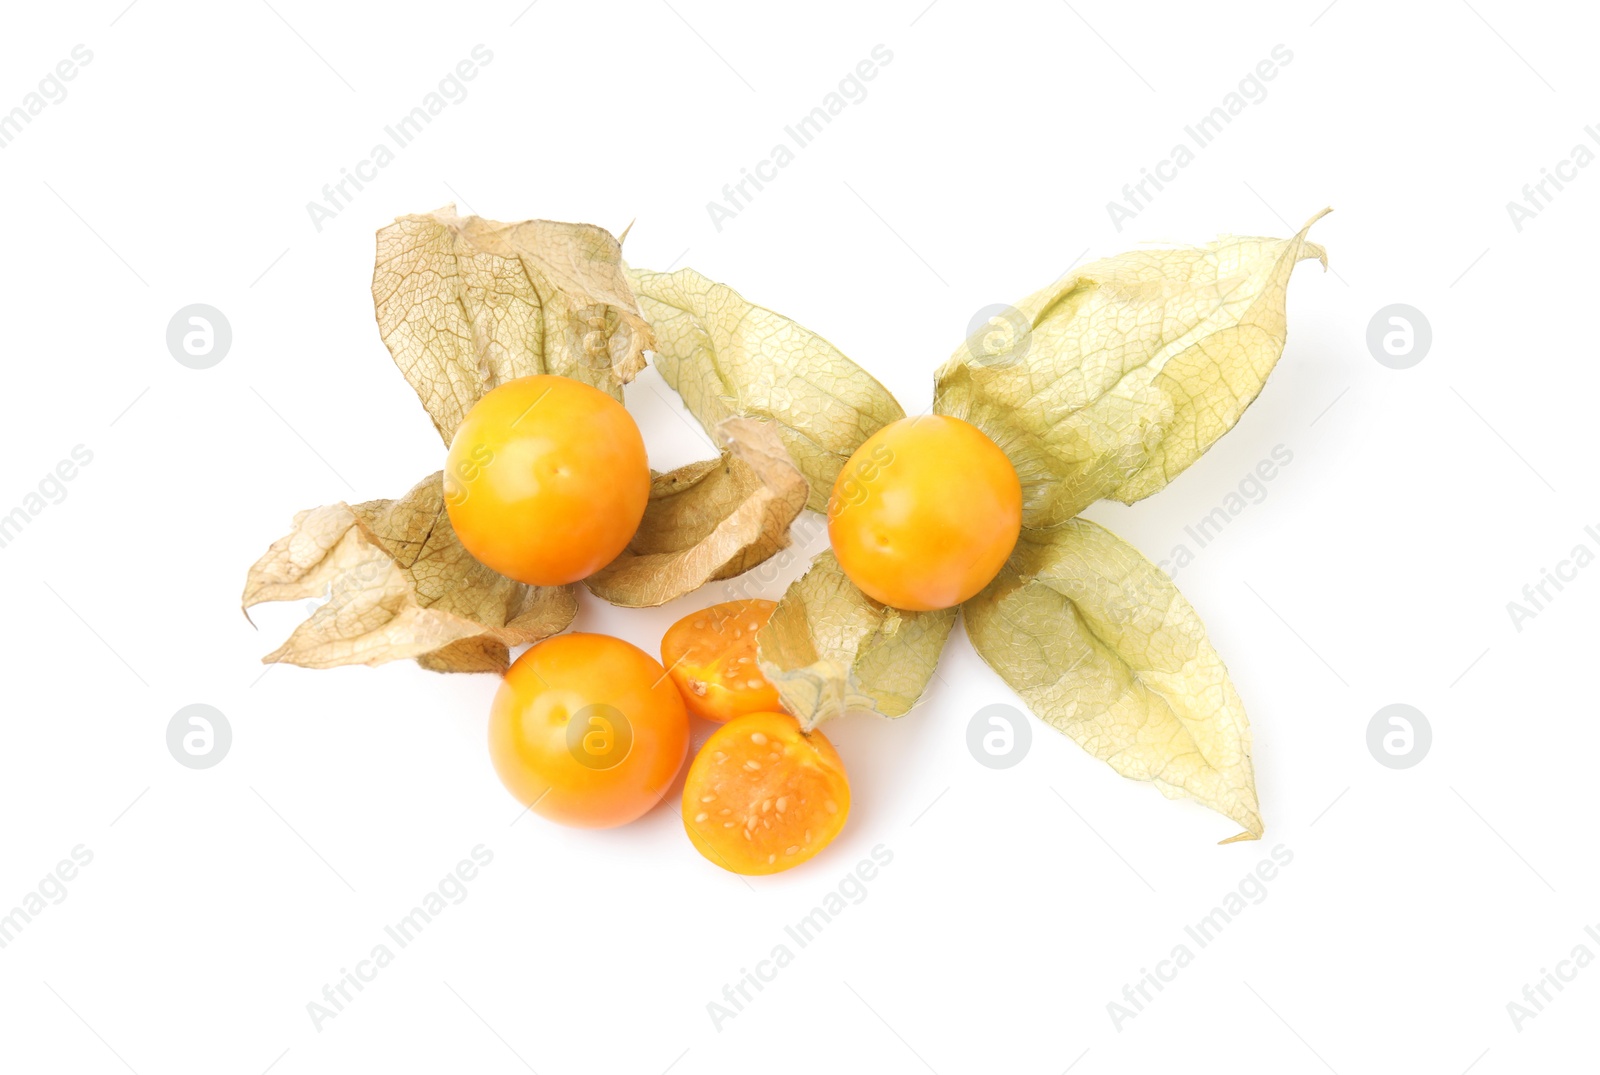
column 711, row 656
column 762, row 796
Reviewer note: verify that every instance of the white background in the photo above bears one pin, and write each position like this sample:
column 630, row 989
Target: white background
column 1019, row 902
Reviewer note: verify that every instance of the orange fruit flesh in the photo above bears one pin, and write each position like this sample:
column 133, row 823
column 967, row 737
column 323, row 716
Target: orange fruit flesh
column 711, row 656
column 762, row 797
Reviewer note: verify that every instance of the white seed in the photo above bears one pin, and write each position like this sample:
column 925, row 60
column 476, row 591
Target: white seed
column 758, row 738
column 701, row 816
column 752, row 765
column 831, row 806
column 708, row 798
column 771, row 859
column 792, row 849
column 719, row 757
column 783, row 802
column 753, row 684
column 766, row 805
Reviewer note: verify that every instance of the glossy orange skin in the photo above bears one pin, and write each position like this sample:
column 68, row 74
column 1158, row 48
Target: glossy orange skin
column 634, row 739
column 925, row 513
column 771, row 817
column 546, row 480
column 711, row 656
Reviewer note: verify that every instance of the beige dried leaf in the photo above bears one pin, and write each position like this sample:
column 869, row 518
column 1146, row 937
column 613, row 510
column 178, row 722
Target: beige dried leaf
column 399, row 585
column 729, row 358
column 709, row 520
column 1113, row 380
column 830, row 649
column 1101, row 645
column 465, row 304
